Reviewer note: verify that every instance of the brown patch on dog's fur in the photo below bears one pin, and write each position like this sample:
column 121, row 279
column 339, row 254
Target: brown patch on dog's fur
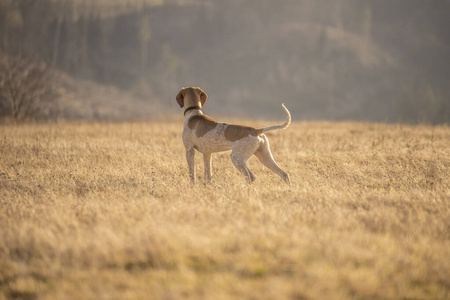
column 237, row 132
column 201, row 125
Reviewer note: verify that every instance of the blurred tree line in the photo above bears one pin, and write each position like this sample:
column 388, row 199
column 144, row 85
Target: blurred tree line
column 326, row 59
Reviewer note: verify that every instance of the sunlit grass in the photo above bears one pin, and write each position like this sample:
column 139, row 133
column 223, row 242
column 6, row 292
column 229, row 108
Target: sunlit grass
column 106, row 211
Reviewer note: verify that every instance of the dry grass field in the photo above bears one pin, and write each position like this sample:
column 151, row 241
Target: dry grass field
column 106, row 211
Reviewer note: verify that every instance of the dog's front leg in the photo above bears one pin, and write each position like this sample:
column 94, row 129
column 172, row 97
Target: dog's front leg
column 190, row 155
column 207, row 163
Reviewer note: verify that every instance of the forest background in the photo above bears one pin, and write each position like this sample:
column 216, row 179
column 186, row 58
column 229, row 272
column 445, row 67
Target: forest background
column 383, row 61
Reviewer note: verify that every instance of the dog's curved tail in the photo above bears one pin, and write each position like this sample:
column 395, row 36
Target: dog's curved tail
column 281, row 126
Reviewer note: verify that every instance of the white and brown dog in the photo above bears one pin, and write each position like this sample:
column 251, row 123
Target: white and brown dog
column 208, row 136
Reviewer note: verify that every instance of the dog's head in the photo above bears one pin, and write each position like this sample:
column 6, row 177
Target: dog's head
column 191, row 96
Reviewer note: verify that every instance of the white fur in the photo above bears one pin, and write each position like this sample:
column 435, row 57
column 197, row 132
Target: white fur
column 214, row 137
column 241, row 150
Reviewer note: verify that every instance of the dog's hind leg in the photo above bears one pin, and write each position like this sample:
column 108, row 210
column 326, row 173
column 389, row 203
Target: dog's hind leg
column 265, row 157
column 240, row 162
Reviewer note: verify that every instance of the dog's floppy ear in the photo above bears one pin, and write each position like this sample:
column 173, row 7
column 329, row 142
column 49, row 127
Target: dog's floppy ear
column 203, row 97
column 180, row 98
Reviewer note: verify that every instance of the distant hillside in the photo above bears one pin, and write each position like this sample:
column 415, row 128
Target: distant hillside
column 326, row 59
column 81, row 99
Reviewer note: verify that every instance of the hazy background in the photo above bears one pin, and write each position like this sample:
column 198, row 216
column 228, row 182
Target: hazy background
column 374, row 60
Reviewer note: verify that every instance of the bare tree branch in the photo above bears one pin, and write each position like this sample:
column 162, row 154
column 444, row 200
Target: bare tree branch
column 25, row 87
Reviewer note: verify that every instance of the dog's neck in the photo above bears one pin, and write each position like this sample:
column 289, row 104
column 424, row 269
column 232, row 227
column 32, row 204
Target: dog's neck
column 191, row 108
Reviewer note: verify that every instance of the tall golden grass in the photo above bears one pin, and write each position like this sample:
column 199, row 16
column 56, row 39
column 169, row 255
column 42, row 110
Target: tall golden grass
column 106, row 211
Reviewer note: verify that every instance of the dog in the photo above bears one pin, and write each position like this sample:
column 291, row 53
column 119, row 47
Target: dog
column 207, row 136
